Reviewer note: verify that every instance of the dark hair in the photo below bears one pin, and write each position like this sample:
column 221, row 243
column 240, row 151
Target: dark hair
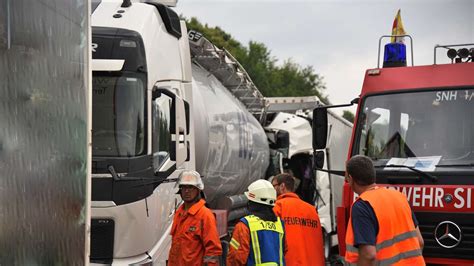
column 361, row 169
column 262, row 211
column 286, row 179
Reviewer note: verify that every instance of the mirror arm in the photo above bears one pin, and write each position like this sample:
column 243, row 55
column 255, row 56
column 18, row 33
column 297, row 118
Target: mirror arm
column 354, row 101
column 334, row 172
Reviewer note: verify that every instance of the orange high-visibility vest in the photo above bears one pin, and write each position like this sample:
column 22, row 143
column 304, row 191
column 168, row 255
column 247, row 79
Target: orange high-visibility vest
column 303, row 231
column 396, row 241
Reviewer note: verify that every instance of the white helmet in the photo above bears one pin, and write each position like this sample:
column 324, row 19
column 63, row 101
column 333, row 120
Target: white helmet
column 192, row 178
column 261, row 191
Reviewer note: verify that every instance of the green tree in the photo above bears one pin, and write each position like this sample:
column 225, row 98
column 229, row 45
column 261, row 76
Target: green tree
column 348, row 115
column 219, row 38
column 260, row 65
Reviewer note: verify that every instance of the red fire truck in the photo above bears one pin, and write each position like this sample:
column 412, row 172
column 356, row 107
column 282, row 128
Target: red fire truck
column 417, row 125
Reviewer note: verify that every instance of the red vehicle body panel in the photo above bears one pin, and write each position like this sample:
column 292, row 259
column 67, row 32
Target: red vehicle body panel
column 398, row 79
column 419, row 77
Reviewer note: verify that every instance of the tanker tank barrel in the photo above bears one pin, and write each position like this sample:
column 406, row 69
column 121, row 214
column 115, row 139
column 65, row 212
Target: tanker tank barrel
column 232, row 202
column 237, row 214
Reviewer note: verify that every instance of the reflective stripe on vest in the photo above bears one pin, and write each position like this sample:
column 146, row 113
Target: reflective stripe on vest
column 386, row 243
column 234, row 243
column 260, row 227
column 212, row 259
column 392, row 260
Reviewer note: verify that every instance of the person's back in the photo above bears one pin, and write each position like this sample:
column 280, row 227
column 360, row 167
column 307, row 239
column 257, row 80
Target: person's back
column 258, row 238
column 302, row 226
column 394, row 217
column 382, row 228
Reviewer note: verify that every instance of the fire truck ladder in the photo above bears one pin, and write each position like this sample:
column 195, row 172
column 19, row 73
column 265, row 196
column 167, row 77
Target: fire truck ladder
column 229, row 72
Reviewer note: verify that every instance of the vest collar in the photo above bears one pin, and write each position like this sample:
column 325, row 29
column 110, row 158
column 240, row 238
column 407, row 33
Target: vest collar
column 196, row 207
column 288, row 195
column 370, row 189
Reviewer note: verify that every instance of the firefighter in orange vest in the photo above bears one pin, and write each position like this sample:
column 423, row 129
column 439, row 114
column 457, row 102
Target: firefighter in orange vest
column 302, row 227
column 259, row 238
column 382, row 228
column 195, row 240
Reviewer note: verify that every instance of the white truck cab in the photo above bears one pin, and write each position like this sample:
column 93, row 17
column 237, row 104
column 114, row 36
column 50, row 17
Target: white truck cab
column 141, row 131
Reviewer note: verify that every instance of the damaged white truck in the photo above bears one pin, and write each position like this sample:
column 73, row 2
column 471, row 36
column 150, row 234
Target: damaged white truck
column 165, row 100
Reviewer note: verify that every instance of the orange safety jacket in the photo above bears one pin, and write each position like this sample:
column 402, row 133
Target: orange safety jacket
column 302, row 229
column 397, row 242
column 195, row 240
column 239, row 249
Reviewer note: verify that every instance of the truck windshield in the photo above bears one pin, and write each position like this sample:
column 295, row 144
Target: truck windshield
column 434, row 124
column 118, row 123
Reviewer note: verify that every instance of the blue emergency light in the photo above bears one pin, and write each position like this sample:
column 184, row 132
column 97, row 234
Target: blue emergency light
column 395, row 55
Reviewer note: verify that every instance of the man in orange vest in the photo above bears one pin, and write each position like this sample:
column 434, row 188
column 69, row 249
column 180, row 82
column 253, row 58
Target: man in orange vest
column 302, row 226
column 195, row 240
column 382, row 228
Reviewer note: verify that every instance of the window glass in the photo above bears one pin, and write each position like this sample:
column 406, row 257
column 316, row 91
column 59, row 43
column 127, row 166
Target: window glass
column 118, row 112
column 418, row 124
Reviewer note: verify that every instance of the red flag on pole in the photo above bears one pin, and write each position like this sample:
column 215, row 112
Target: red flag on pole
column 397, row 28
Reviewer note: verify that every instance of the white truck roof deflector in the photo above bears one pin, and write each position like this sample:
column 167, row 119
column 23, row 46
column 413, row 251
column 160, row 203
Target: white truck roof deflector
column 107, row 64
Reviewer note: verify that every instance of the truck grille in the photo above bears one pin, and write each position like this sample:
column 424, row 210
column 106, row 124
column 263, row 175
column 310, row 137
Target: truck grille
column 428, row 223
column 102, row 241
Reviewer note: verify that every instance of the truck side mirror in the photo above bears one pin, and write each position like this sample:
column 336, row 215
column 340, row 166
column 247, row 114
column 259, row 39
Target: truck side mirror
column 179, row 124
column 320, row 128
column 283, row 139
column 319, row 159
column 157, row 92
column 186, row 110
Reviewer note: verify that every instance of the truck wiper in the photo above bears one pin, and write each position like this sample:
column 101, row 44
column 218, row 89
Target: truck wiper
column 119, row 177
column 113, row 173
column 159, row 182
column 425, row 174
column 455, row 165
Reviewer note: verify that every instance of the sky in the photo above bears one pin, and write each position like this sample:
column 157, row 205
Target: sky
column 339, row 38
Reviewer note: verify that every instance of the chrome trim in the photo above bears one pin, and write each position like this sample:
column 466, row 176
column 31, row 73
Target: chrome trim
column 448, row 230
